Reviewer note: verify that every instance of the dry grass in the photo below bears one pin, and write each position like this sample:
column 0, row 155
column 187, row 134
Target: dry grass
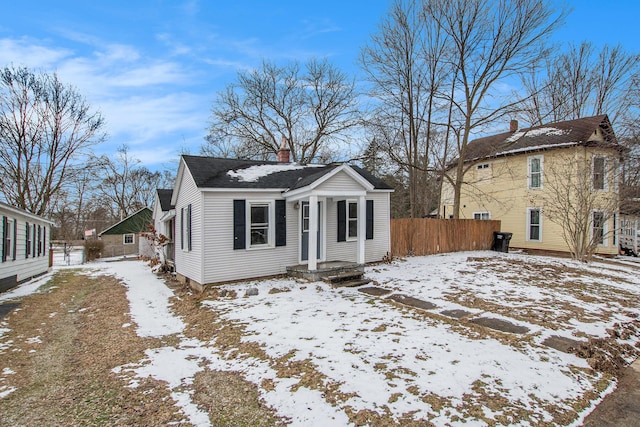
column 62, row 345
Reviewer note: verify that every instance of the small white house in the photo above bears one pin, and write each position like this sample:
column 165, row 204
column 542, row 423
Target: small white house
column 25, row 242
column 239, row 219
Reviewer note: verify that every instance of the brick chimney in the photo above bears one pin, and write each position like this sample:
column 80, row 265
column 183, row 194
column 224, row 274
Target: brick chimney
column 284, row 152
column 513, row 126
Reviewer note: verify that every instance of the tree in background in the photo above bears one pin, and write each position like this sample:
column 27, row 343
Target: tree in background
column 404, row 62
column 126, row 186
column 582, row 82
column 491, row 41
column 311, row 108
column 44, row 126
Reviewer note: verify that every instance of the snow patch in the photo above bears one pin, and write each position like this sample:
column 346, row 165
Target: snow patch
column 254, row 173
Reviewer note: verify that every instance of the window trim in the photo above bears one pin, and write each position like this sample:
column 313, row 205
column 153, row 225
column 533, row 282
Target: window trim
column 271, row 221
column 9, row 239
column 481, row 213
column 133, row 239
column 348, row 219
column 529, row 210
column 530, row 173
column 186, row 217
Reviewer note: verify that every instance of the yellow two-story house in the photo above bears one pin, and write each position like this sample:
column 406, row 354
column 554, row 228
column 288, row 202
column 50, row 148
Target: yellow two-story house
column 555, row 186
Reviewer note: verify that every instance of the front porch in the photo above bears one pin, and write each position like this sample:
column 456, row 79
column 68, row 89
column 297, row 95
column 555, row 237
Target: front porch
column 338, row 273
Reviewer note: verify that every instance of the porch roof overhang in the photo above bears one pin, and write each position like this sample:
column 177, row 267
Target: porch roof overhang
column 170, row 214
column 312, row 189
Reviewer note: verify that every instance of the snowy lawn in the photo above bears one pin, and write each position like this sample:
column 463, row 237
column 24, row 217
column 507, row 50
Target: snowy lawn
column 324, row 356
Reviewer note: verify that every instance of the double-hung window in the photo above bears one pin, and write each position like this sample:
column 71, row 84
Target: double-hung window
column 598, row 227
column 534, row 224
column 535, row 172
column 352, row 219
column 128, row 239
column 598, row 173
column 260, row 224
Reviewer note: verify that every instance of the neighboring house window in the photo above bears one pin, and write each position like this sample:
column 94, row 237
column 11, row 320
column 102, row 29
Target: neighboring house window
column 534, row 224
column 481, row 215
column 598, row 174
column 27, row 239
column 128, row 239
column 259, row 224
column 535, row 172
column 483, row 166
column 352, row 220
column 598, row 227
column 8, row 239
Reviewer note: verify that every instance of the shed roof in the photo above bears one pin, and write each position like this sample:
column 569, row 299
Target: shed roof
column 134, row 223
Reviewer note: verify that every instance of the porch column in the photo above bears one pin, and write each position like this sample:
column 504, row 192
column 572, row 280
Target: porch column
column 362, row 227
column 313, row 233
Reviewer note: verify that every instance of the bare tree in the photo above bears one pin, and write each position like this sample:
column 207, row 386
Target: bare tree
column 491, row 40
column 127, row 186
column 44, row 125
column 572, row 202
column 583, row 82
column 311, row 109
column 404, row 63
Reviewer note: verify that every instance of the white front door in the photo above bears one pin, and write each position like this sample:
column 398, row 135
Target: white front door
column 304, row 237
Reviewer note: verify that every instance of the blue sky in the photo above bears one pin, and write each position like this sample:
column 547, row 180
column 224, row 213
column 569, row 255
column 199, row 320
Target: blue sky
column 153, row 68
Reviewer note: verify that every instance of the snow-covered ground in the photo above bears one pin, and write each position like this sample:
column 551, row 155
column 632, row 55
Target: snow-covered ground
column 370, row 355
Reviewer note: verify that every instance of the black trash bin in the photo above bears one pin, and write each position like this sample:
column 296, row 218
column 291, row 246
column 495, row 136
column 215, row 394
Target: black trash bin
column 501, row 241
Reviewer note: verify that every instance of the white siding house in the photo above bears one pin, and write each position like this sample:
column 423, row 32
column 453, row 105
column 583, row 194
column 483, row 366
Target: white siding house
column 25, row 246
column 239, row 219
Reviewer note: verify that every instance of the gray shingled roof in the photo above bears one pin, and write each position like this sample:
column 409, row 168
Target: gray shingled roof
column 553, row 135
column 164, row 195
column 213, row 172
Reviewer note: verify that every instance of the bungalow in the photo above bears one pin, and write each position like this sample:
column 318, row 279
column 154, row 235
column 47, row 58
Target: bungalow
column 238, row 219
column 127, row 237
column 25, row 239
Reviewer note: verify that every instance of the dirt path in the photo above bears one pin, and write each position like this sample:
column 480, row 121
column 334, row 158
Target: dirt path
column 58, row 355
column 622, row 407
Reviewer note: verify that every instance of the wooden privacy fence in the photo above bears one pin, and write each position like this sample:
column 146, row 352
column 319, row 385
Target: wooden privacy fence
column 426, row 236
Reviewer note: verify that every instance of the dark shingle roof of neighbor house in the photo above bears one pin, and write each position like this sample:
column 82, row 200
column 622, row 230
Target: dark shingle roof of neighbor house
column 164, row 195
column 547, row 136
column 134, row 223
column 213, row 172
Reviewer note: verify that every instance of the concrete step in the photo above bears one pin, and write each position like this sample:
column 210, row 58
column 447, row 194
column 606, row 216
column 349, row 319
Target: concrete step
column 343, row 276
column 351, row 283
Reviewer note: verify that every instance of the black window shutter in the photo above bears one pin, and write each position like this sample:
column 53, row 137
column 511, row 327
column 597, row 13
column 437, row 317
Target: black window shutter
column 44, row 240
column 33, row 239
column 27, row 246
column 342, row 221
column 39, row 240
column 281, row 223
column 190, row 233
column 15, row 237
column 239, row 224
column 181, row 228
column 4, row 238
column 369, row 219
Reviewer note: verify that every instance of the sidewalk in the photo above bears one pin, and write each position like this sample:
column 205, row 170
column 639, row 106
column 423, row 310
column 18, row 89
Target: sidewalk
column 622, row 407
